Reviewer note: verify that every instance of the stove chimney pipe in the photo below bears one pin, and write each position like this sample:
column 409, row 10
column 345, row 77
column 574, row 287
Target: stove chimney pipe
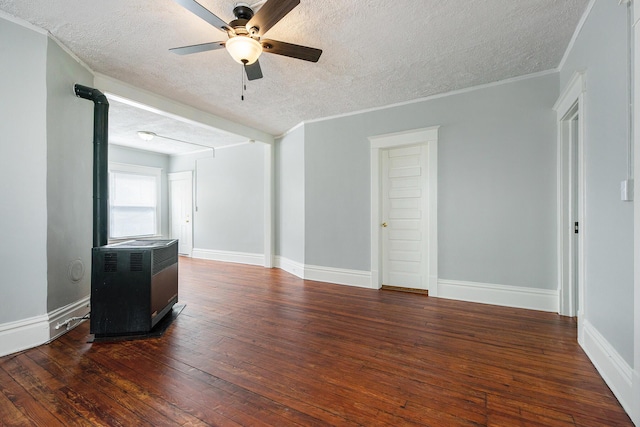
column 100, row 160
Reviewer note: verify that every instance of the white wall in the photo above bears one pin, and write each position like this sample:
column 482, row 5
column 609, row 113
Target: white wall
column 230, row 196
column 601, row 51
column 230, row 200
column 496, row 164
column 131, row 156
column 69, row 179
column 290, row 196
column 337, row 202
column 23, row 173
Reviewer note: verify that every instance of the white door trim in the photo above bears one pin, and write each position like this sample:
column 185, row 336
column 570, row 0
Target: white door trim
column 635, row 402
column 176, row 176
column 571, row 101
column 269, row 204
column 378, row 143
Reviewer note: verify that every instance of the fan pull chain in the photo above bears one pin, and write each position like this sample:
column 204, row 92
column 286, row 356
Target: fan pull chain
column 244, row 86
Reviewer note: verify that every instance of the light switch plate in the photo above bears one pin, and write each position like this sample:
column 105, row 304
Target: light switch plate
column 626, row 190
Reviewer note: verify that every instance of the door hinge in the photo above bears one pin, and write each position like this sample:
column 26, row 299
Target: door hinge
column 575, row 227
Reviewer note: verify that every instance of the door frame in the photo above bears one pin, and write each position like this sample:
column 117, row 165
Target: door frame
column 177, row 176
column 429, row 137
column 570, row 104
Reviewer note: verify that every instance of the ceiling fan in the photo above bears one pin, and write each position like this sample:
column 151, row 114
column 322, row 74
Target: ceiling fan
column 245, row 43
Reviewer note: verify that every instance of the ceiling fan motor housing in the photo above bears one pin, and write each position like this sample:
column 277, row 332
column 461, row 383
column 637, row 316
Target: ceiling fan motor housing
column 243, row 14
column 239, row 26
column 243, row 11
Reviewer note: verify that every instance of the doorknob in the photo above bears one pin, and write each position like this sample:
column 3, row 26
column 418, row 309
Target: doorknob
column 384, row 224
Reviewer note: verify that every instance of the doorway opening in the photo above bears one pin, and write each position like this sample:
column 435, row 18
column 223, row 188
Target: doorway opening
column 181, row 210
column 571, row 187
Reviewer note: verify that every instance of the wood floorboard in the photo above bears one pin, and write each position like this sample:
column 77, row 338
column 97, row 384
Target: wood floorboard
column 102, row 380
column 35, row 412
column 260, row 347
column 205, row 389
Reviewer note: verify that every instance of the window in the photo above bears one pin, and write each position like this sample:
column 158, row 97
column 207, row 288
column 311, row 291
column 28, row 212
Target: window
column 134, row 201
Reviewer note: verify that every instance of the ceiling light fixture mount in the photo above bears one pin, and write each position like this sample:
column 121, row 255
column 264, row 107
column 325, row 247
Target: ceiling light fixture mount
column 145, row 135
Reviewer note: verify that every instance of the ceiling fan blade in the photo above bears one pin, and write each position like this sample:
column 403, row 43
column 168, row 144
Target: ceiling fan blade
column 254, row 72
column 270, row 13
column 196, row 8
column 291, row 50
column 196, row 48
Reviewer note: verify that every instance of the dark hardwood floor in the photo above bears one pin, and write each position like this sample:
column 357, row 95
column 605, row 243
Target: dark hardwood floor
column 260, row 347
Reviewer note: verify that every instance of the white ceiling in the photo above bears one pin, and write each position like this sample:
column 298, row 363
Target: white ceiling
column 376, row 53
column 125, row 121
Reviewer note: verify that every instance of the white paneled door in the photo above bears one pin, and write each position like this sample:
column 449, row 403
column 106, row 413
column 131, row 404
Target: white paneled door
column 181, row 202
column 405, row 217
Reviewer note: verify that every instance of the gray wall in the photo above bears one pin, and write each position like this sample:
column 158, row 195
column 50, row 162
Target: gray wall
column 290, row 196
column 69, row 178
column 229, row 197
column 337, row 199
column 182, row 163
column 132, row 156
column 497, row 194
column 23, row 169
column 601, row 50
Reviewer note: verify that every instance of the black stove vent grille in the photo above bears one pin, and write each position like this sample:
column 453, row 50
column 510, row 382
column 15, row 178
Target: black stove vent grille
column 111, row 262
column 162, row 258
column 135, row 261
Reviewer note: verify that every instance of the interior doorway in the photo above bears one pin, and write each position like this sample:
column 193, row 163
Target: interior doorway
column 572, row 227
column 571, row 188
column 181, row 210
column 398, row 151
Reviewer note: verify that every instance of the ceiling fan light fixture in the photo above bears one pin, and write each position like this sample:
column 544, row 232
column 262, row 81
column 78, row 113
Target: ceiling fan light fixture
column 244, row 49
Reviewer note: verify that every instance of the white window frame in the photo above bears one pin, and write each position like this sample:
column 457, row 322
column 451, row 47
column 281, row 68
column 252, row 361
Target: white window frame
column 144, row 171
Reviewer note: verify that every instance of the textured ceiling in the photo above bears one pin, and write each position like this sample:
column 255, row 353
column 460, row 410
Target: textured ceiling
column 376, row 52
column 125, row 121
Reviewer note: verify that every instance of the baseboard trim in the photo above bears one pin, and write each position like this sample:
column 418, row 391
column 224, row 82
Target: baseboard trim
column 292, row 267
column 228, row 256
column 485, row 293
column 615, row 371
column 635, row 398
column 34, row 331
column 79, row 308
column 23, row 334
column 339, row 276
column 508, row 296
